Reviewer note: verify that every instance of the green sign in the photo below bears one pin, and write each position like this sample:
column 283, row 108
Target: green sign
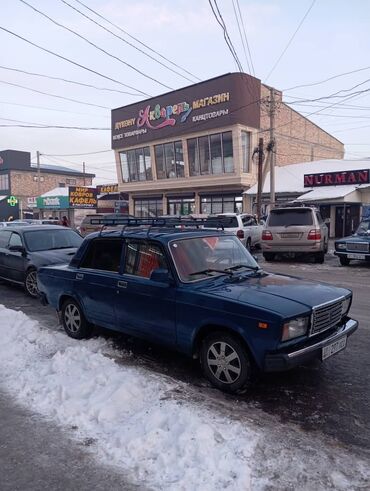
column 53, row 202
column 12, row 201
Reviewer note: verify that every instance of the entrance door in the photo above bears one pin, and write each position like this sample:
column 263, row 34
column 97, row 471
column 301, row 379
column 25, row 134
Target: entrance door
column 347, row 218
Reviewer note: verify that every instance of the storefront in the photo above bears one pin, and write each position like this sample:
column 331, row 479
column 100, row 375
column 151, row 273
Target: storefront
column 339, row 188
column 190, row 150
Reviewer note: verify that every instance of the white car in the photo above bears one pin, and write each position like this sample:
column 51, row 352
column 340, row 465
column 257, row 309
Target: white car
column 243, row 225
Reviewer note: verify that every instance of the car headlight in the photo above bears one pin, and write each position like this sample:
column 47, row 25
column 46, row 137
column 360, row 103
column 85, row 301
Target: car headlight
column 341, row 246
column 295, row 328
column 345, row 305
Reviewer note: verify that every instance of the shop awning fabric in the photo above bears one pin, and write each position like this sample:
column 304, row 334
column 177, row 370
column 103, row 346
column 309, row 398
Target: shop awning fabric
column 327, row 192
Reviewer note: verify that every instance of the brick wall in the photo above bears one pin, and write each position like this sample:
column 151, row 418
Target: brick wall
column 23, row 184
column 297, row 138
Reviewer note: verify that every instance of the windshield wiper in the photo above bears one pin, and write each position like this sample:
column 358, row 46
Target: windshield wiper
column 62, row 247
column 238, row 266
column 210, row 270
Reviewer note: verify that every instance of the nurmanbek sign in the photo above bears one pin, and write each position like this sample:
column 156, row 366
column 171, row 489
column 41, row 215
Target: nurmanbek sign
column 337, row 178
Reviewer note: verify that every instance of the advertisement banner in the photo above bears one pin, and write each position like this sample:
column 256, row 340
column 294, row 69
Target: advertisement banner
column 82, row 197
column 107, row 188
column 52, row 202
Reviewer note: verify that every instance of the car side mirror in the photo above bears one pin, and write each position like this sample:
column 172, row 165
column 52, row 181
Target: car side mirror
column 160, row 275
column 17, row 248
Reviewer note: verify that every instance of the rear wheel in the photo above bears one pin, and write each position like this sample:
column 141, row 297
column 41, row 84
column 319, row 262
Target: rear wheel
column 344, row 261
column 74, row 321
column 269, row 256
column 30, row 283
column 225, row 362
column 320, row 257
column 249, row 244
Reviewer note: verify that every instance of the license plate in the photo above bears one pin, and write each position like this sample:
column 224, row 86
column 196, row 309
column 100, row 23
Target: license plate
column 333, row 348
column 289, row 236
column 356, row 256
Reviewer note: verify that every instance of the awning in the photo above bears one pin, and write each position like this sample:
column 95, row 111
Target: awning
column 327, row 192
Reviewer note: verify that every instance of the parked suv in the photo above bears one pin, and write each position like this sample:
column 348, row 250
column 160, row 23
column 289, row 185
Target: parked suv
column 200, row 292
column 244, row 226
column 295, row 230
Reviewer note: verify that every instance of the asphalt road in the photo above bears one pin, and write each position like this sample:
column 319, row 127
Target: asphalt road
column 332, row 398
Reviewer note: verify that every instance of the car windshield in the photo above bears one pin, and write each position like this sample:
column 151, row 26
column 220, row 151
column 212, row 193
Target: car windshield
column 202, row 257
column 364, row 228
column 286, row 218
column 44, row 240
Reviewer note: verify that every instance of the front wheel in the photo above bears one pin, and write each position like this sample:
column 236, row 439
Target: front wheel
column 74, row 321
column 225, row 362
column 344, row 261
column 269, row 256
column 30, row 283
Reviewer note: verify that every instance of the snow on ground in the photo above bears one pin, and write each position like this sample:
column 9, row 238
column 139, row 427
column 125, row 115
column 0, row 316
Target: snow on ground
column 134, row 420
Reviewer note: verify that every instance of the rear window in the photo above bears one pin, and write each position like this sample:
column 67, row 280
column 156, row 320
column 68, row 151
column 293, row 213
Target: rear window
column 285, row 218
column 221, row 221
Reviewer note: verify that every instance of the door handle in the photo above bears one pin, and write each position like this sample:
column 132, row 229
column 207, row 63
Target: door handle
column 79, row 276
column 122, row 284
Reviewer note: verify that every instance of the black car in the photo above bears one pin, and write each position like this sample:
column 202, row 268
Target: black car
column 356, row 246
column 24, row 249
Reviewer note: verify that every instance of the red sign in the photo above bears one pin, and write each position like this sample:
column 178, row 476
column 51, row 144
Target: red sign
column 337, row 178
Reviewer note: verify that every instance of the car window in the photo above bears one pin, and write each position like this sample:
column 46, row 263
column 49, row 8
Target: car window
column 286, row 217
column 45, row 240
column 4, row 238
column 248, row 221
column 103, row 254
column 15, row 240
column 319, row 217
column 142, row 258
column 364, row 227
column 221, row 221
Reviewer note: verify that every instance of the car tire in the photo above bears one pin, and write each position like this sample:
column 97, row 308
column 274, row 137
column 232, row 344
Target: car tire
column 344, row 261
column 248, row 245
column 326, row 247
column 74, row 321
column 320, row 257
column 269, row 256
column 229, row 376
column 30, row 283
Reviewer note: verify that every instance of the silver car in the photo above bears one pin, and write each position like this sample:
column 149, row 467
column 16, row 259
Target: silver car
column 295, row 231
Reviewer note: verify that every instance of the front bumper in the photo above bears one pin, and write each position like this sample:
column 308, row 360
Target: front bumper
column 294, row 357
column 346, row 253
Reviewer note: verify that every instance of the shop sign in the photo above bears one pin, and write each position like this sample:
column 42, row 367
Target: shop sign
column 31, row 202
column 337, row 178
column 206, row 105
column 12, row 201
column 107, row 189
column 82, row 197
column 52, row 202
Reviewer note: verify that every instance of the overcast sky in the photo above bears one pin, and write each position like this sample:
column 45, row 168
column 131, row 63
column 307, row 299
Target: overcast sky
column 334, row 38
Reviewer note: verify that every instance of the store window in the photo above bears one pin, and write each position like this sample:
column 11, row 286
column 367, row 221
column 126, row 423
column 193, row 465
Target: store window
column 181, row 206
column 211, row 154
column 169, row 159
column 245, row 142
column 221, row 204
column 148, row 207
column 136, row 165
column 4, row 182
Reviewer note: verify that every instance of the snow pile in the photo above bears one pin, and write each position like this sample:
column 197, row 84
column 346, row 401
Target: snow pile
column 138, row 421
column 127, row 412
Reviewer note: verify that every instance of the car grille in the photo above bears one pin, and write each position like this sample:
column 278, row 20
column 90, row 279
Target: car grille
column 326, row 316
column 357, row 246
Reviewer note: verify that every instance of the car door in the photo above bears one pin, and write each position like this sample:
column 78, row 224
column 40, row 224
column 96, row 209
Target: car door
column 4, row 240
column 96, row 280
column 15, row 261
column 146, row 307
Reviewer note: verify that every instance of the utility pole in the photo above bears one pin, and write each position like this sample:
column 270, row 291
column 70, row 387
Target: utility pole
column 259, row 178
column 272, row 147
column 83, row 170
column 38, row 173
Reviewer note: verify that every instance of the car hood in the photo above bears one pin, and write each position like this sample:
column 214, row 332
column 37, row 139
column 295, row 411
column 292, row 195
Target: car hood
column 55, row 256
column 354, row 238
column 285, row 295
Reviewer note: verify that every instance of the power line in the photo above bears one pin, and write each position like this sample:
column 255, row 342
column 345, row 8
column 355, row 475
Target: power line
column 327, row 79
column 70, row 61
column 117, row 58
column 241, row 37
column 245, row 36
column 68, row 81
column 53, row 95
column 230, row 45
column 50, row 109
column 127, row 42
column 290, row 40
column 27, row 124
column 137, row 40
column 76, row 154
column 336, row 94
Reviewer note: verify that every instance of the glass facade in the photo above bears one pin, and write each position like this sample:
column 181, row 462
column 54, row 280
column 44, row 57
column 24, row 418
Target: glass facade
column 211, row 154
column 181, row 206
column 4, row 182
column 148, row 207
column 169, row 159
column 245, row 142
column 221, row 204
column 136, row 165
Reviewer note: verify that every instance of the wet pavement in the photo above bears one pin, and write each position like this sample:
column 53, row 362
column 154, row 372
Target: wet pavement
column 332, row 398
